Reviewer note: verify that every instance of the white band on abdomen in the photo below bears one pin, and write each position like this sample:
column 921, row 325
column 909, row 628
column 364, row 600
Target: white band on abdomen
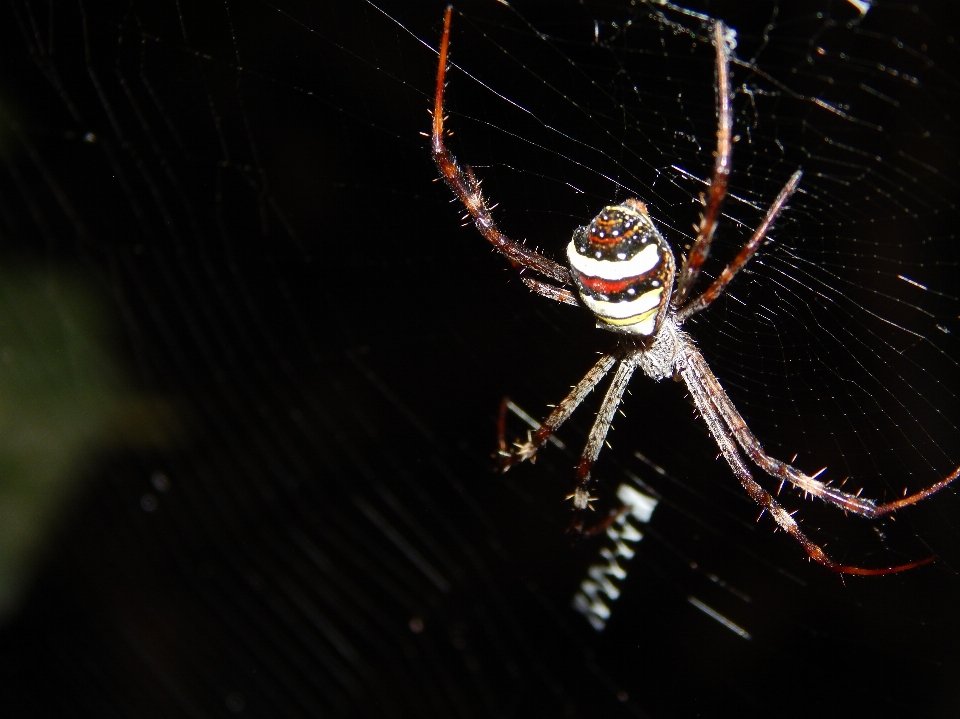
column 620, row 310
column 643, row 261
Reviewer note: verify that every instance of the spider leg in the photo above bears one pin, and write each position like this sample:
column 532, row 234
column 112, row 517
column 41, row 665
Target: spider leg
column 552, row 292
column 704, row 402
column 746, row 252
column 775, row 468
column 466, row 186
column 598, row 433
column 560, row 414
column 605, row 524
column 721, row 171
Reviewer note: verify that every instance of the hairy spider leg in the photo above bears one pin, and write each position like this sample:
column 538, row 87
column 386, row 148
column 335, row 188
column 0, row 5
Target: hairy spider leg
column 691, row 370
column 746, row 252
column 598, row 433
column 560, row 414
column 776, row 468
column 721, row 172
column 551, row 292
column 466, row 186
column 726, row 425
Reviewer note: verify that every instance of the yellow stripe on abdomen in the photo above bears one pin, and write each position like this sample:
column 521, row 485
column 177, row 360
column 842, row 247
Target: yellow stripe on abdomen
column 642, row 324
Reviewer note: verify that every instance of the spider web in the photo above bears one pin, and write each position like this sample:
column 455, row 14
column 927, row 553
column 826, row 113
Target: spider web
column 251, row 362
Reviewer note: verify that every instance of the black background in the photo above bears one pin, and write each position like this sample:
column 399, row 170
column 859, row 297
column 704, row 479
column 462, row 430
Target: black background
column 312, row 526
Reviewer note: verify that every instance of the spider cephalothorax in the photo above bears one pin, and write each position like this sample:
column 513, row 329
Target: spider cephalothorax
column 623, row 271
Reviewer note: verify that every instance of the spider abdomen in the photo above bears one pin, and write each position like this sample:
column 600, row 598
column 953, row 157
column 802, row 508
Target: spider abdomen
column 623, row 269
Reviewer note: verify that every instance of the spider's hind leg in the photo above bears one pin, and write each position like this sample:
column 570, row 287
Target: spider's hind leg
column 551, row 292
column 466, row 186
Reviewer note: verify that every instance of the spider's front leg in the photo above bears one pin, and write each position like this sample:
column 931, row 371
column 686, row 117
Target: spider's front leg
column 520, row 451
column 693, row 370
column 787, row 473
column 598, row 435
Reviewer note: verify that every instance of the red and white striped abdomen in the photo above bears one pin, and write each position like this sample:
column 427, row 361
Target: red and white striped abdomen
column 623, row 269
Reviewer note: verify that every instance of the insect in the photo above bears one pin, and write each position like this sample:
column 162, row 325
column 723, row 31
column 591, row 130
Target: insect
column 623, row 270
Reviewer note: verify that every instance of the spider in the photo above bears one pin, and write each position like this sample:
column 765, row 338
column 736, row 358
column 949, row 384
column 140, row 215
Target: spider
column 624, row 272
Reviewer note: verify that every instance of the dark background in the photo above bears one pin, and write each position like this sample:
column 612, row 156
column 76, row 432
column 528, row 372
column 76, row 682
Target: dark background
column 254, row 361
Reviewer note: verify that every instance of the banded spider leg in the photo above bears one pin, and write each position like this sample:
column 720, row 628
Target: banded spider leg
column 623, row 271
